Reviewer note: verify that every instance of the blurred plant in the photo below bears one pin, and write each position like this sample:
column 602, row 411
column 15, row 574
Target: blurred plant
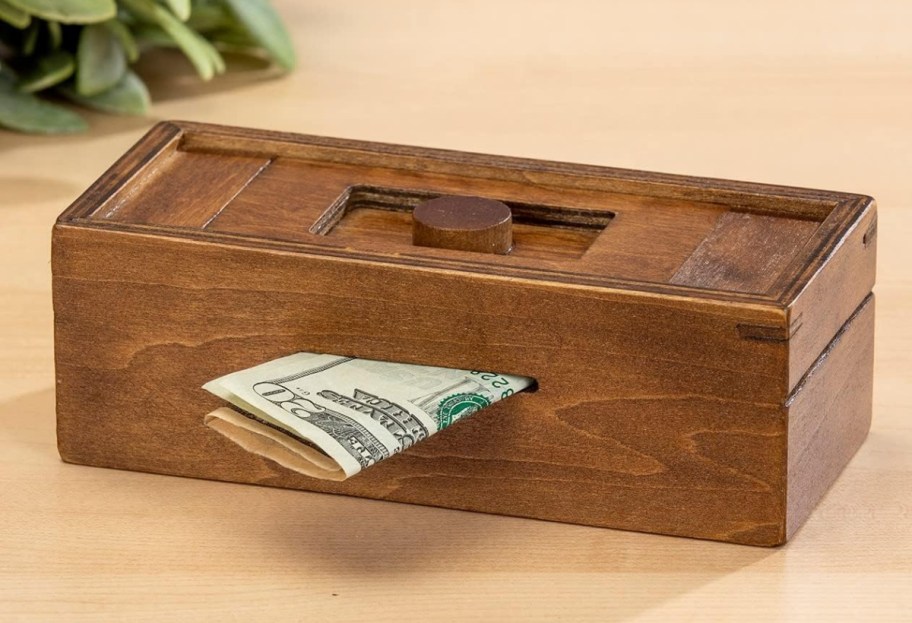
column 81, row 50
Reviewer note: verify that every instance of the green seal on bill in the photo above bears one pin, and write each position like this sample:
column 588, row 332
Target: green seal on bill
column 458, row 406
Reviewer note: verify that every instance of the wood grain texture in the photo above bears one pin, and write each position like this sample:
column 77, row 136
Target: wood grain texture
column 530, row 240
column 655, row 411
column 818, row 309
column 294, row 191
column 311, row 187
column 744, row 252
column 829, row 414
column 581, row 347
column 183, row 190
column 465, row 223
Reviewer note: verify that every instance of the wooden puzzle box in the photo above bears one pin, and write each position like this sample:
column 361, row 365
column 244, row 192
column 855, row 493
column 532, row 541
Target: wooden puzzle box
column 703, row 348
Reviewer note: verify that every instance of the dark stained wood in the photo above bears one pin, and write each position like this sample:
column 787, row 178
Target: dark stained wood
column 185, row 189
column 651, row 243
column 818, row 302
column 623, row 383
column 647, row 239
column 545, row 244
column 465, row 223
column 744, row 252
column 829, row 414
column 680, row 408
column 745, row 196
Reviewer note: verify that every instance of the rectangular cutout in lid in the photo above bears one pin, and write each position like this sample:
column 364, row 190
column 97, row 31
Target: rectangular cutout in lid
column 381, row 213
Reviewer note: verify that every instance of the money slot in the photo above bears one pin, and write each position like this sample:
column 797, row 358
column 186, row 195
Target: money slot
column 330, row 417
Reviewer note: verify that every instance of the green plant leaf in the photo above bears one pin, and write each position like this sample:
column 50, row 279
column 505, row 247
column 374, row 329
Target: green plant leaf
column 233, row 37
column 215, row 57
column 181, row 8
column 266, row 28
column 30, row 39
column 14, row 15
column 236, row 41
column 205, row 58
column 127, row 42
column 149, row 35
column 100, row 60
column 209, row 15
column 26, row 113
column 68, row 11
column 47, row 71
column 55, row 35
column 128, row 97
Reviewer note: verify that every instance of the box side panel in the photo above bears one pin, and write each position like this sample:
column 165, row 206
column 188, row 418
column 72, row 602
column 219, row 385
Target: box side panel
column 652, row 414
column 830, row 414
column 835, row 291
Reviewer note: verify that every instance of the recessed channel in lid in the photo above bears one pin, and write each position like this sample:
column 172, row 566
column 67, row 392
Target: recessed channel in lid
column 538, row 230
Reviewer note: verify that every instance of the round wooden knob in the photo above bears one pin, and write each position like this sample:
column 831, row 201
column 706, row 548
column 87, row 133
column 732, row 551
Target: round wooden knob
column 463, row 223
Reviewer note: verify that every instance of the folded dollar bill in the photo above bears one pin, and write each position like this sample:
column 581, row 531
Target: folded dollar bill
column 329, row 417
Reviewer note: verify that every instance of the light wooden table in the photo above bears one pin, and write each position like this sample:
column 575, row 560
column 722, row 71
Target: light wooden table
column 779, row 91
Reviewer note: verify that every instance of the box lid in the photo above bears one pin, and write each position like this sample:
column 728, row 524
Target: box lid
column 806, row 255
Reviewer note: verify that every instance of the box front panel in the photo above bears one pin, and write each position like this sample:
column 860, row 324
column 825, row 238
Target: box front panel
column 650, row 415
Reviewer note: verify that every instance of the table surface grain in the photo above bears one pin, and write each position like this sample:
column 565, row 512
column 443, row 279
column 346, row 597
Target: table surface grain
column 807, row 94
